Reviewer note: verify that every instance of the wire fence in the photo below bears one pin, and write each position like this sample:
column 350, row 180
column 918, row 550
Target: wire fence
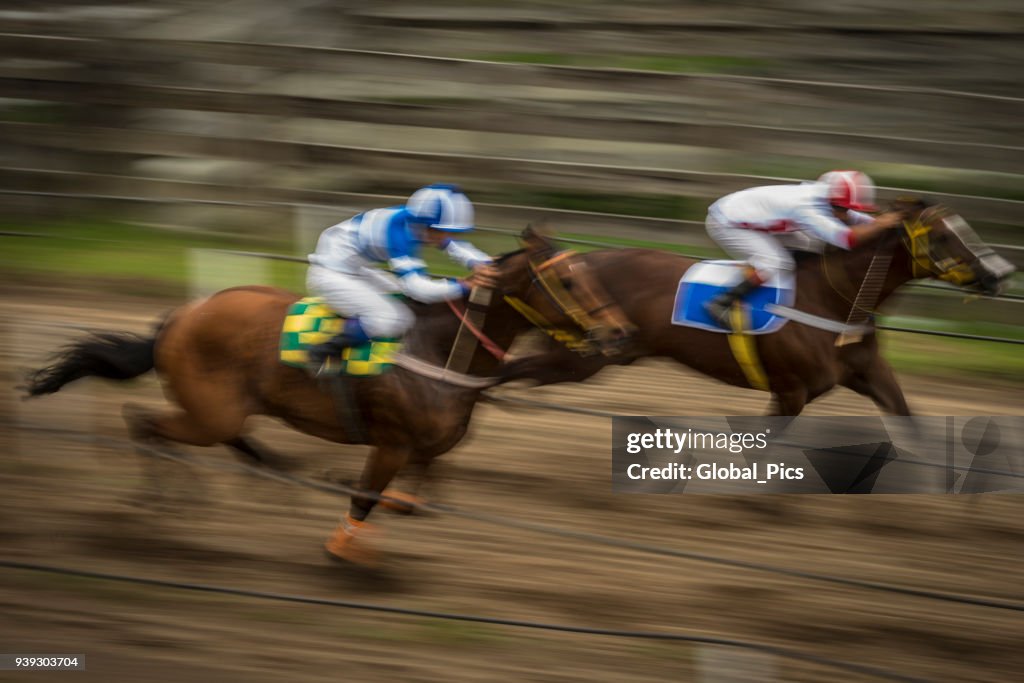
column 306, row 57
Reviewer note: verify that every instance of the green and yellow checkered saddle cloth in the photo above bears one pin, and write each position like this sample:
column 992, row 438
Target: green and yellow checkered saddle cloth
column 309, row 321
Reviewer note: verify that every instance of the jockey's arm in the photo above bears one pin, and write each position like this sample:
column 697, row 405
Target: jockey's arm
column 863, row 232
column 838, row 233
column 414, row 282
column 464, row 253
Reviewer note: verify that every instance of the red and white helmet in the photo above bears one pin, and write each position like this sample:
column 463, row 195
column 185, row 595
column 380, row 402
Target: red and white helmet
column 850, row 189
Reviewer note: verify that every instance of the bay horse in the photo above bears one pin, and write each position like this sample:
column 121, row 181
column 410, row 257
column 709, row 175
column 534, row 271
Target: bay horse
column 800, row 362
column 218, row 361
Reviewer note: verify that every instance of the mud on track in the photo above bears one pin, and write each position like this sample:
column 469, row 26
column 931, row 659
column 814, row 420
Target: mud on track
column 72, row 503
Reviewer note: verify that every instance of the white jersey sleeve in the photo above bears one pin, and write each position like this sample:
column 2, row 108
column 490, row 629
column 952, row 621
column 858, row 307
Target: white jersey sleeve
column 858, row 218
column 823, row 225
column 416, row 284
column 465, row 254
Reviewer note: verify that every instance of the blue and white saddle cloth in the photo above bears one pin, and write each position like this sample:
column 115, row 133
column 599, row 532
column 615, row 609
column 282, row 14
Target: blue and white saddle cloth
column 707, row 279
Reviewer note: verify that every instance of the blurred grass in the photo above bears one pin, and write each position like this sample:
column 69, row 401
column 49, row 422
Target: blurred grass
column 118, row 258
column 958, row 358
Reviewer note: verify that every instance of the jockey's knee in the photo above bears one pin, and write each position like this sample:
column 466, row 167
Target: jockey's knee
column 766, row 269
column 392, row 323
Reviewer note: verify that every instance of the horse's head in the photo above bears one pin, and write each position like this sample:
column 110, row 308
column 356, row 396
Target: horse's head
column 556, row 291
column 944, row 247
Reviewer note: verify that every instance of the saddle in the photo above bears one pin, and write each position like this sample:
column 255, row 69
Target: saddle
column 310, row 321
column 705, row 280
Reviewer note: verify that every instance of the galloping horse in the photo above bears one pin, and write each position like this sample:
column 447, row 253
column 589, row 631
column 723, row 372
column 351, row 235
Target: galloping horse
column 218, row 360
column 800, row 362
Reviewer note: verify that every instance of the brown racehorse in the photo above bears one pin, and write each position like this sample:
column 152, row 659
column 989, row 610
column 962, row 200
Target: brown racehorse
column 801, row 362
column 218, row 361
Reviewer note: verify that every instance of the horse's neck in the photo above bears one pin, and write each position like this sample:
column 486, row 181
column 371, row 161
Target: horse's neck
column 836, row 277
column 434, row 334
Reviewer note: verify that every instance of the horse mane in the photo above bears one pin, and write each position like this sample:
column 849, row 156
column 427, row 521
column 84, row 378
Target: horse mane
column 507, row 255
column 800, row 256
column 911, row 203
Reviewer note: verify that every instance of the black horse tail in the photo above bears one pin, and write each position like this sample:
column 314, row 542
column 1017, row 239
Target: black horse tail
column 111, row 355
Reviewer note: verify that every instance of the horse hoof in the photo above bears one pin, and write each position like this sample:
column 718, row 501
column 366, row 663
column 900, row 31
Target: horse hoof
column 401, row 502
column 350, row 547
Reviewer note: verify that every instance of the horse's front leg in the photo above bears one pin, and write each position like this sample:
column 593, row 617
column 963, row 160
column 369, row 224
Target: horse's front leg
column 350, row 541
column 867, row 373
column 788, row 402
column 878, row 382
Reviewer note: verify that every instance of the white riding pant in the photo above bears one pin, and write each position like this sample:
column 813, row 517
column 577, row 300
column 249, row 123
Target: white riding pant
column 365, row 296
column 763, row 251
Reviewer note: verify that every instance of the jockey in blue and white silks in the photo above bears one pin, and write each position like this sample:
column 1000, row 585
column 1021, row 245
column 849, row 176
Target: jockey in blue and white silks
column 761, row 224
column 343, row 268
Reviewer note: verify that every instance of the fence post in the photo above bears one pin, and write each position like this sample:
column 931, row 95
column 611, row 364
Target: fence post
column 211, row 270
column 311, row 220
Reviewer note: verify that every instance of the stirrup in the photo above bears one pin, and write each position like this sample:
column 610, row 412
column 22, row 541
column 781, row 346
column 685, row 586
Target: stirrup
column 324, row 360
column 720, row 310
column 330, row 366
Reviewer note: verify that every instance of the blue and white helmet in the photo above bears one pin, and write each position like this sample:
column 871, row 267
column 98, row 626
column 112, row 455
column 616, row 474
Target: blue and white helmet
column 442, row 207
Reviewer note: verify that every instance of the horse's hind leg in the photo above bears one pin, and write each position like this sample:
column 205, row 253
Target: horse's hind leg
column 213, row 410
column 255, row 453
column 212, row 413
column 166, row 482
column 184, row 426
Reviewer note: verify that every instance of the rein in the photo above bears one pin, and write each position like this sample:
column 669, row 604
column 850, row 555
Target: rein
column 492, row 347
column 915, row 238
column 862, row 306
column 922, row 262
column 556, row 292
column 867, row 295
column 472, row 318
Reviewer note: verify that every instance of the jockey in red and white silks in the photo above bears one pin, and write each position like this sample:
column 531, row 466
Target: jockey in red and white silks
column 761, row 225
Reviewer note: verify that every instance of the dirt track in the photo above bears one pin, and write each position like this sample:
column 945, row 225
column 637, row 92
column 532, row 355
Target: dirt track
column 70, row 503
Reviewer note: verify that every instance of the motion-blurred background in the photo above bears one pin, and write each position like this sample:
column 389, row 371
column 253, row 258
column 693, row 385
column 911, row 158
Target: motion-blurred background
column 142, row 142
column 169, row 126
